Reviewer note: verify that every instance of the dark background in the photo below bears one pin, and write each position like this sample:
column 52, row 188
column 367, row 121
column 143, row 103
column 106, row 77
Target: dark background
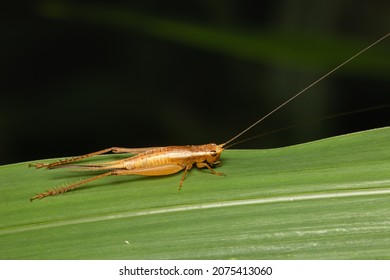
column 78, row 76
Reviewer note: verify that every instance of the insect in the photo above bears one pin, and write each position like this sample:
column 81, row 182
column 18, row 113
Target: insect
column 158, row 161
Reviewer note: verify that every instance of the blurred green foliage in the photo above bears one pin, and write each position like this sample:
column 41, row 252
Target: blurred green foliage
column 81, row 76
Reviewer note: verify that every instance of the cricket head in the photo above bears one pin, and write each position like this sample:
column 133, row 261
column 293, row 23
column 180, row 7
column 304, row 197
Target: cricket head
column 212, row 153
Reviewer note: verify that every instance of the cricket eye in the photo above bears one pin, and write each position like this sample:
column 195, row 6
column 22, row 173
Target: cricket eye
column 213, row 153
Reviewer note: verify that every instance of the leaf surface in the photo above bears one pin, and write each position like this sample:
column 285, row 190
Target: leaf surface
column 327, row 199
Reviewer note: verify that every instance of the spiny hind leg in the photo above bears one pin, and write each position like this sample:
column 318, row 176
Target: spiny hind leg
column 77, row 158
column 148, row 171
column 64, row 189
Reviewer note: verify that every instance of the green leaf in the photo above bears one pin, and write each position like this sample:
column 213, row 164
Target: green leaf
column 327, row 199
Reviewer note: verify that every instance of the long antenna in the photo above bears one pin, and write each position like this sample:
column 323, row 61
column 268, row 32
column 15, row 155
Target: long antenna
column 310, row 123
column 306, row 88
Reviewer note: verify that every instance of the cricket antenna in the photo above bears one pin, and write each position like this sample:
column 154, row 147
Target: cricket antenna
column 305, row 89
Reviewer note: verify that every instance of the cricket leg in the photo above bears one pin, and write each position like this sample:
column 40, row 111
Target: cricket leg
column 64, row 189
column 205, row 164
column 77, row 158
column 134, row 151
column 188, row 167
column 148, row 171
